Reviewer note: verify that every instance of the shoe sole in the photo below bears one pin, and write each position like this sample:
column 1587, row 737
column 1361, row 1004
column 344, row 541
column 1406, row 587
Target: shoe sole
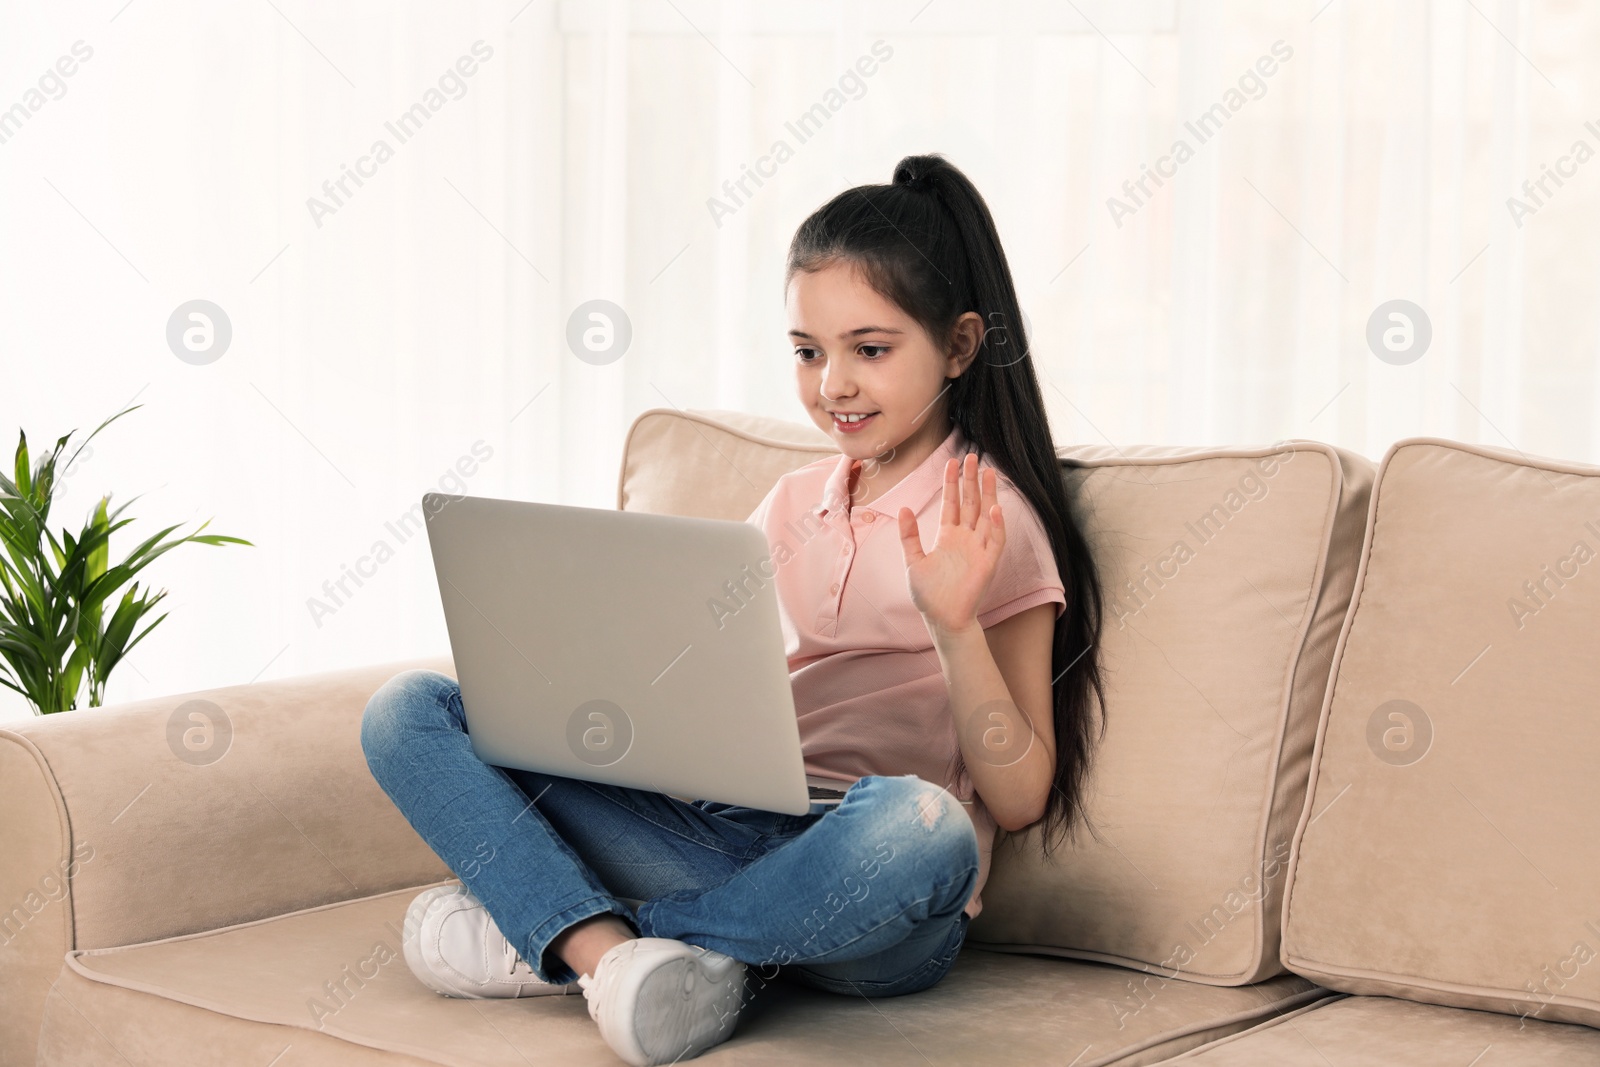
column 682, row 1007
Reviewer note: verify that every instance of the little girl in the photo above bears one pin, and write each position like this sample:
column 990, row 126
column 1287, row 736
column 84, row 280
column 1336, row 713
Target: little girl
column 950, row 686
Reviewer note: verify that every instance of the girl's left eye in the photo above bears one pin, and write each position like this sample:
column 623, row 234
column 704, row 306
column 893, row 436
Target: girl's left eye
column 880, row 348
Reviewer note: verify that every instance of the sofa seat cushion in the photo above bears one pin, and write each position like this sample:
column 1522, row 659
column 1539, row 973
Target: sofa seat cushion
column 332, row 983
column 1365, row 1031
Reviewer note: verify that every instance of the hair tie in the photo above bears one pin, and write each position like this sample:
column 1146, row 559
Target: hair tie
column 918, row 172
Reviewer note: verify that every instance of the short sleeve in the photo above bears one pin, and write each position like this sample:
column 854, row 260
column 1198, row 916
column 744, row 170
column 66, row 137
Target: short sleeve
column 1027, row 575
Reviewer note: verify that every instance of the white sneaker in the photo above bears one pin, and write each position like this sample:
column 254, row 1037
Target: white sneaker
column 658, row 1000
column 456, row 949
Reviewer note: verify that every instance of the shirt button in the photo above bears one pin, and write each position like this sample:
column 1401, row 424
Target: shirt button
column 834, row 588
column 868, row 517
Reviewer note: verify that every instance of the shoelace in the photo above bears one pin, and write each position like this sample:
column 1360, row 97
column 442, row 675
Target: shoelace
column 514, row 960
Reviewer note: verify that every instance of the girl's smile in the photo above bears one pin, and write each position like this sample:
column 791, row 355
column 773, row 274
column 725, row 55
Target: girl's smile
column 851, row 423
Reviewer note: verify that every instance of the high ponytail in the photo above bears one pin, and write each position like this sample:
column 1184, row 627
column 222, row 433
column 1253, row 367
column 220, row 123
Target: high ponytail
column 928, row 243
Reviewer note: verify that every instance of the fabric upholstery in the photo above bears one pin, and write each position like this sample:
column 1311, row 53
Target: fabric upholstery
column 214, row 907
column 1450, row 852
column 1383, row 1032
column 336, row 972
column 286, row 818
column 1227, row 574
column 710, row 464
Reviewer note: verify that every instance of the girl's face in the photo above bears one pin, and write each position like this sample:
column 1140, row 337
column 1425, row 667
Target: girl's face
column 857, row 353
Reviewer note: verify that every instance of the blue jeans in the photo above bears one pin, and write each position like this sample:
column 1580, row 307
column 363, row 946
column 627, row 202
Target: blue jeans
column 865, row 899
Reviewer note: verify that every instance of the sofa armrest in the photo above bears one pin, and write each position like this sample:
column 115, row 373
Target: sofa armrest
column 181, row 814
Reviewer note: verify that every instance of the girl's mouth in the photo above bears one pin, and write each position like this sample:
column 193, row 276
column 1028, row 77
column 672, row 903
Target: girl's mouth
column 845, row 426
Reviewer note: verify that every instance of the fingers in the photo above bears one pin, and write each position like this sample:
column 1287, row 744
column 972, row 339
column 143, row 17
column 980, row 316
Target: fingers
column 972, row 498
column 989, row 507
column 969, row 491
column 910, row 536
column 950, row 511
column 960, row 485
column 997, row 530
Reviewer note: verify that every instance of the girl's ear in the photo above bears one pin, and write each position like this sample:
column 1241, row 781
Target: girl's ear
column 965, row 338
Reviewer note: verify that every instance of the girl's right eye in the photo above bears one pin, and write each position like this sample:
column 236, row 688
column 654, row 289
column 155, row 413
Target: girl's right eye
column 801, row 354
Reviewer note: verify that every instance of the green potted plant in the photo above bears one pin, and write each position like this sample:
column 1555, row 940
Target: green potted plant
column 55, row 631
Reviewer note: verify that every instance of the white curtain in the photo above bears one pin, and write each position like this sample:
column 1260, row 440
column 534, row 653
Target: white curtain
column 391, row 331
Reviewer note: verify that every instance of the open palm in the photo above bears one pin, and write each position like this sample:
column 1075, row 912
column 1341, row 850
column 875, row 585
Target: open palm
column 948, row 581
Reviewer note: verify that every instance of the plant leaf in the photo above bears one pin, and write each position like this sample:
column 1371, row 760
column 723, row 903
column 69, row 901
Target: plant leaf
column 24, row 484
column 73, row 675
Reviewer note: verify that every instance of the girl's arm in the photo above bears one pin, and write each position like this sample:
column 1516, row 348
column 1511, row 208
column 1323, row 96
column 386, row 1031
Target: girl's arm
column 999, row 679
column 999, row 682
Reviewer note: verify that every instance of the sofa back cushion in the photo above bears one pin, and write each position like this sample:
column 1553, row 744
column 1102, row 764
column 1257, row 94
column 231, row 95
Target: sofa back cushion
column 710, row 464
column 1450, row 851
column 1227, row 573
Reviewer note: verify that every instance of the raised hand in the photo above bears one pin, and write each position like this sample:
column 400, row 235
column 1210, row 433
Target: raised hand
column 949, row 581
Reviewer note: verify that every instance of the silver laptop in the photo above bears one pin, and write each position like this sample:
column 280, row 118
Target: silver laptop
column 620, row 647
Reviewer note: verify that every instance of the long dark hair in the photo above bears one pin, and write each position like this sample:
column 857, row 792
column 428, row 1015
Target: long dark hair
column 928, row 243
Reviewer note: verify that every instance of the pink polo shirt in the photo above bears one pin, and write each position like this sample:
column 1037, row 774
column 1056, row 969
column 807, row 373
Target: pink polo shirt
column 868, row 690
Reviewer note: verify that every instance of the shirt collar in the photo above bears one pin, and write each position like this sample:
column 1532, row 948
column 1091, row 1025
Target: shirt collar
column 912, row 491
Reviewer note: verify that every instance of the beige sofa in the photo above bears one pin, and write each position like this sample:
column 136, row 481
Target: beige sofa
column 1400, row 867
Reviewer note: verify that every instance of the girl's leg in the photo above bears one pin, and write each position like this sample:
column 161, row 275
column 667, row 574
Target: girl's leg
column 913, row 965
column 867, row 898
column 513, row 852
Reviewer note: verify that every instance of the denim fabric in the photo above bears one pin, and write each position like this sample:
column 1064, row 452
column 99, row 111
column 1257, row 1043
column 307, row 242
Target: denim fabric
column 864, row 899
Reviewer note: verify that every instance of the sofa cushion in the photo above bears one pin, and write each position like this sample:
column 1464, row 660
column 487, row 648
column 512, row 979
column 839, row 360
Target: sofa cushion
column 1228, row 572
column 331, row 982
column 710, row 464
column 1382, row 1031
column 1450, row 851
column 175, row 840
column 166, row 828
